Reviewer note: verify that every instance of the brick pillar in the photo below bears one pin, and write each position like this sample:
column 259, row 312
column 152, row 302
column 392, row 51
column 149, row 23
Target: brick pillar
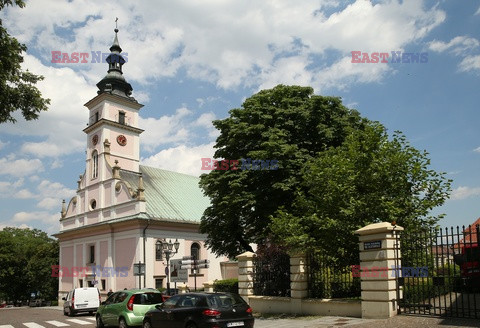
column 245, row 274
column 378, row 258
column 298, row 281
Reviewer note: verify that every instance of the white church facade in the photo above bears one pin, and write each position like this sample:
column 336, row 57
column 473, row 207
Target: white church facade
column 124, row 212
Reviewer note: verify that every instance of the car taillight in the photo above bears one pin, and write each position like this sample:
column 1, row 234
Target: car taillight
column 73, row 301
column 211, row 313
column 130, row 303
column 249, row 310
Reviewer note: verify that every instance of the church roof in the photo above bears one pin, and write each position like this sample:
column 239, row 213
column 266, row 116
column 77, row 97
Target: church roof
column 170, row 196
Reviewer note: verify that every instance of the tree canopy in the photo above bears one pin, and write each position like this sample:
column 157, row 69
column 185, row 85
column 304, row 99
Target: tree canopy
column 17, row 87
column 288, row 124
column 335, row 169
column 27, row 257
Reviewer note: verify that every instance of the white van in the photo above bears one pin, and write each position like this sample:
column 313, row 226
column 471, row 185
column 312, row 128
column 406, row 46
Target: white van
column 86, row 299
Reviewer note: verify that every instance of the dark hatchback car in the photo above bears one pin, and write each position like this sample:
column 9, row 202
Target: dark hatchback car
column 201, row 310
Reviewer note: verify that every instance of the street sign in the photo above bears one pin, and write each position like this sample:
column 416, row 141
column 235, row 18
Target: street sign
column 178, row 274
column 187, row 258
column 138, row 269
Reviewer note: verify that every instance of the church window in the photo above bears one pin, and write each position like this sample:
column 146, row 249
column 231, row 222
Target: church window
column 121, row 117
column 95, row 165
column 93, row 204
column 92, row 254
column 158, row 251
column 96, row 117
column 195, row 251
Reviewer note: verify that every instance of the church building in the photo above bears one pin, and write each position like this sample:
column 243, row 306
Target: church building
column 127, row 218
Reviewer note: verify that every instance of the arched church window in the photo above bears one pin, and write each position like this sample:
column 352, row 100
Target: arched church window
column 121, row 117
column 195, row 251
column 94, row 164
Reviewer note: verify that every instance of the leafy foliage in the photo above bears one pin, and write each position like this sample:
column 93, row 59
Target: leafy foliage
column 271, row 274
column 287, row 123
column 17, row 87
column 369, row 178
column 27, row 257
column 226, row 285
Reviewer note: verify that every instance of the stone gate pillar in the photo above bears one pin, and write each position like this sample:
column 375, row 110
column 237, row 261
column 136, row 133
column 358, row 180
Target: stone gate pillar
column 378, row 259
column 245, row 274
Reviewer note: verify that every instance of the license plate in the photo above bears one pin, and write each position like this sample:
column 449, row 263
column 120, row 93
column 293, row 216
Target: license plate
column 235, row 324
column 81, row 305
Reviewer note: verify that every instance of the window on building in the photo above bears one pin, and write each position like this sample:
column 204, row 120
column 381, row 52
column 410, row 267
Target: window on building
column 103, row 284
column 80, row 283
column 159, row 283
column 92, row 254
column 158, row 251
column 96, row 117
column 195, row 251
column 94, row 164
column 90, row 283
column 121, row 117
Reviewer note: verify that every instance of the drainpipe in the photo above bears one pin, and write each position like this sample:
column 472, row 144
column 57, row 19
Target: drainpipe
column 144, row 256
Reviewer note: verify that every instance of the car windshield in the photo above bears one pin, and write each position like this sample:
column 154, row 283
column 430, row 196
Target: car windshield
column 148, row 298
column 224, row 300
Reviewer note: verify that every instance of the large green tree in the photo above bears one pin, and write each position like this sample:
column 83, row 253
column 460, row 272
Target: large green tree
column 369, row 178
column 26, row 258
column 337, row 171
column 17, row 87
column 288, row 124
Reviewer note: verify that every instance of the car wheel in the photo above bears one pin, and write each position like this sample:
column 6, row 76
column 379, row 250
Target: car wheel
column 191, row 325
column 122, row 323
column 64, row 312
column 99, row 322
column 71, row 313
column 147, row 324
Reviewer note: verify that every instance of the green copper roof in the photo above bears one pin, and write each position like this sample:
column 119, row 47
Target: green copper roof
column 169, row 195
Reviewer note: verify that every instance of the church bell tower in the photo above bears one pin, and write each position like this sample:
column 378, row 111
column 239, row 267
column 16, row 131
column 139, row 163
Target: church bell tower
column 113, row 136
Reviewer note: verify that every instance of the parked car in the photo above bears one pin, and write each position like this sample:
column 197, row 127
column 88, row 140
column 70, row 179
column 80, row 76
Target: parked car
column 127, row 307
column 86, row 299
column 201, row 310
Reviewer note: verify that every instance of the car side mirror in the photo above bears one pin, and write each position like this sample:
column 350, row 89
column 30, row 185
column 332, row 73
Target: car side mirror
column 159, row 306
column 64, row 299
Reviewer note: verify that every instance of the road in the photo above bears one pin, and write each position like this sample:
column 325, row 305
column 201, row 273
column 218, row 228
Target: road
column 53, row 317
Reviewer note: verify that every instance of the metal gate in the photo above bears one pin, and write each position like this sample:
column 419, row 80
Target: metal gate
column 440, row 272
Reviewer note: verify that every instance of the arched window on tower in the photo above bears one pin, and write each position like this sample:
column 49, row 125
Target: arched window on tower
column 94, row 164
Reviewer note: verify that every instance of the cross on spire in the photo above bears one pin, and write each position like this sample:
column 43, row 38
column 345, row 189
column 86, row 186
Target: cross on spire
column 116, row 25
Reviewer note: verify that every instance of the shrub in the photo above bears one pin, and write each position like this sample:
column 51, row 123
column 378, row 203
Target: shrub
column 227, row 285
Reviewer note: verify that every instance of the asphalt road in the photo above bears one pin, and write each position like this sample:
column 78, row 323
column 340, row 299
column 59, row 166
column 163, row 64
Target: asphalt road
column 53, row 317
column 42, row 317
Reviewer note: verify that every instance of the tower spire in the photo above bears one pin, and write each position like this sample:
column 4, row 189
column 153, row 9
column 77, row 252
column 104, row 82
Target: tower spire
column 114, row 82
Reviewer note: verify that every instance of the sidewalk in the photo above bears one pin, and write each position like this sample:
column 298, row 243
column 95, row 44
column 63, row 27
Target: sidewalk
column 397, row 321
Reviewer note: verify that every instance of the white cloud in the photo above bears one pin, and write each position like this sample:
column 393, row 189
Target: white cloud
column 166, row 129
column 459, row 45
column 54, row 189
column 9, row 225
column 477, row 150
column 464, row 192
column 2, row 144
column 181, row 159
column 50, row 203
column 229, row 43
column 24, row 194
column 51, row 221
column 470, row 63
column 478, row 11
column 20, row 167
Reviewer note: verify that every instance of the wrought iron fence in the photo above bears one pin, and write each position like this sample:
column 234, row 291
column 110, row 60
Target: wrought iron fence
column 450, row 281
column 271, row 276
column 331, row 277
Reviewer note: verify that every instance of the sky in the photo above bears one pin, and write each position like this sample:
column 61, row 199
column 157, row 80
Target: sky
column 190, row 62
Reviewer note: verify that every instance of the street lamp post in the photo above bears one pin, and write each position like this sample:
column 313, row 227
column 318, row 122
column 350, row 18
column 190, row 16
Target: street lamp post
column 168, row 250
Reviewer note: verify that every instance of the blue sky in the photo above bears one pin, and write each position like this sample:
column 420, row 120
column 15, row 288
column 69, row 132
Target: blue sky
column 190, row 62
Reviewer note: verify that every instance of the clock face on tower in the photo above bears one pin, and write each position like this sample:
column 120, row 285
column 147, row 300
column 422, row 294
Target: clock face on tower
column 122, row 140
column 95, row 139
